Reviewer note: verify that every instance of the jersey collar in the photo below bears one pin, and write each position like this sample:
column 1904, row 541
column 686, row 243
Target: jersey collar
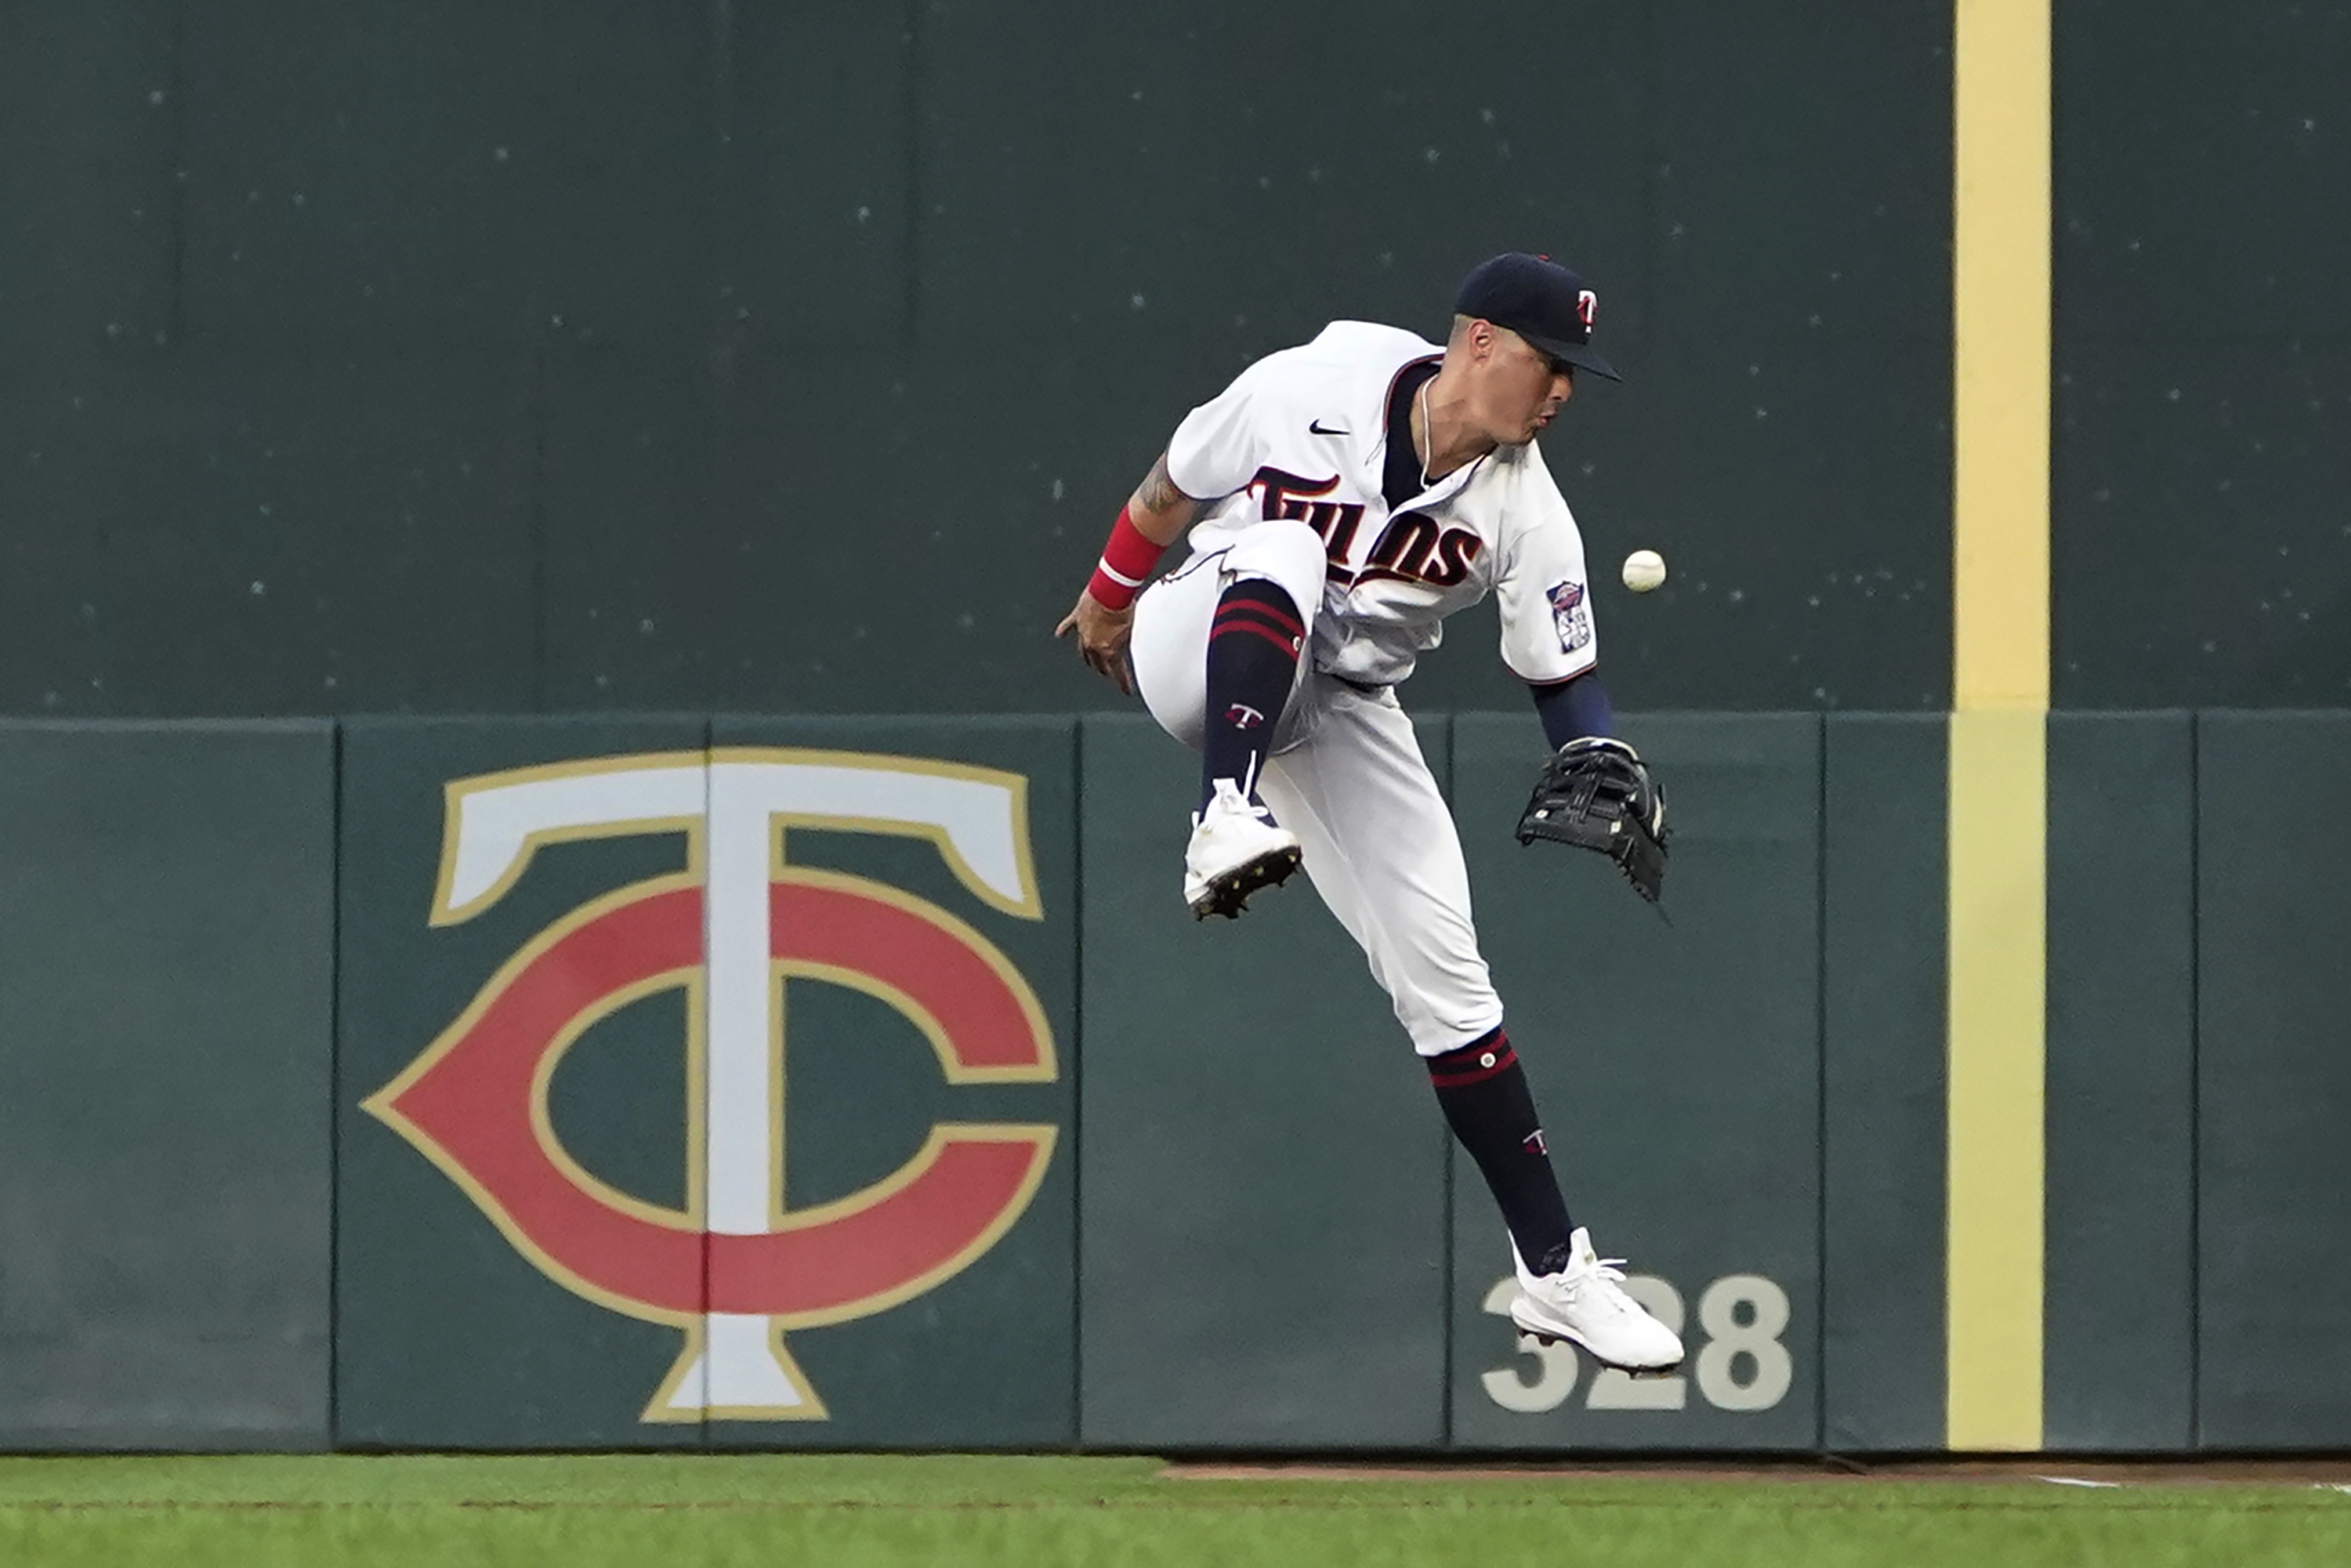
column 1362, row 419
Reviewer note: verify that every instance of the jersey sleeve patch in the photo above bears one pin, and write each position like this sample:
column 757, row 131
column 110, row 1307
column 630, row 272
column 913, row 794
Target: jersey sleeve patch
column 1570, row 615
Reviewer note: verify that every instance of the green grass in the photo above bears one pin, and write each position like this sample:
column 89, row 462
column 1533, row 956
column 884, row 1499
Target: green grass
column 687, row 1510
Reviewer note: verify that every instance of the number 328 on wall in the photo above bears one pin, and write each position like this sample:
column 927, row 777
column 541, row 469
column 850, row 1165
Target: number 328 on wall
column 1740, row 1365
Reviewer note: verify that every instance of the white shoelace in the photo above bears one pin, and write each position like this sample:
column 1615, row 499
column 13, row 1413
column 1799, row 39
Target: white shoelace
column 1605, row 1271
column 1257, row 809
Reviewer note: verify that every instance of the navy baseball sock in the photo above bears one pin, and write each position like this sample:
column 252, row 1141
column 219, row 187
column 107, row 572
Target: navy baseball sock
column 1253, row 646
column 1486, row 1102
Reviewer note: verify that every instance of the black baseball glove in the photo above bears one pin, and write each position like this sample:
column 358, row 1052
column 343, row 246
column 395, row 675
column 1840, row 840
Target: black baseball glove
column 1597, row 794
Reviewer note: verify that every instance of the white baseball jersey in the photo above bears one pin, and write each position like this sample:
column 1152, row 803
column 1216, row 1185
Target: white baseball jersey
column 1302, row 435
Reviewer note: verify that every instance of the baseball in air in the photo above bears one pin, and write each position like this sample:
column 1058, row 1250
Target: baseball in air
column 1644, row 569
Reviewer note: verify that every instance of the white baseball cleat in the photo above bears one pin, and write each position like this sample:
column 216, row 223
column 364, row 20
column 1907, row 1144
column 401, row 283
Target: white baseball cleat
column 1236, row 849
column 1585, row 1302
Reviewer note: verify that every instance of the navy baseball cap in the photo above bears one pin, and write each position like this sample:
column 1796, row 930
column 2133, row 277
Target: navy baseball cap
column 1540, row 300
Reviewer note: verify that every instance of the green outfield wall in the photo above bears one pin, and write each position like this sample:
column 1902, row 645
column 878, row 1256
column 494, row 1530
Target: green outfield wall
column 167, row 1084
column 415, row 356
column 726, row 1081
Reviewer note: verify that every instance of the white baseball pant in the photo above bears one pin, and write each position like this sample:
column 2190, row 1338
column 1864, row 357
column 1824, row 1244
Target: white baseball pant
column 1346, row 774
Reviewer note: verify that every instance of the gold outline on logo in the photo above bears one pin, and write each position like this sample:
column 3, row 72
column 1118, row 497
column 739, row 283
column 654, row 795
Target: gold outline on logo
column 812, row 1406
column 542, row 1083
column 1029, row 906
column 381, row 1105
column 1045, row 1069
column 1042, row 1137
column 453, row 799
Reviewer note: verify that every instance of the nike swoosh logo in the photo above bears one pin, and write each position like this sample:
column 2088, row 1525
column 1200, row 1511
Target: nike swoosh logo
column 1315, row 427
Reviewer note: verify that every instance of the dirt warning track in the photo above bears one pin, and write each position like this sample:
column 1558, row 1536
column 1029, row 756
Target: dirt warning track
column 2321, row 1470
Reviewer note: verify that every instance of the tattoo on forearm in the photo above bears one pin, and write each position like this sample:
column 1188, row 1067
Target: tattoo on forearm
column 1158, row 492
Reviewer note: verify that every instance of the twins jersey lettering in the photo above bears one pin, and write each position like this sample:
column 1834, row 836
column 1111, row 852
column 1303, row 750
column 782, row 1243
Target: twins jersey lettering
column 1300, row 436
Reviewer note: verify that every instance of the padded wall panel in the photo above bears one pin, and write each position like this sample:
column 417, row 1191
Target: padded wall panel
column 2120, row 1302
column 1677, row 1071
column 2273, row 1081
column 1263, row 1176
column 1883, row 974
column 166, row 1046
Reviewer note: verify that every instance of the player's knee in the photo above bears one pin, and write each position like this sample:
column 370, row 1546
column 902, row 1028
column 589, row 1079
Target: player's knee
column 1287, row 553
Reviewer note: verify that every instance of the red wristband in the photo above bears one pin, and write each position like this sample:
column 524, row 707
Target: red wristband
column 1126, row 562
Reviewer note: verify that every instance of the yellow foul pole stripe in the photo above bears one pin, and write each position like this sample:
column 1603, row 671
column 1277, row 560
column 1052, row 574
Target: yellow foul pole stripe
column 1999, row 316
column 1998, row 957
column 2000, row 662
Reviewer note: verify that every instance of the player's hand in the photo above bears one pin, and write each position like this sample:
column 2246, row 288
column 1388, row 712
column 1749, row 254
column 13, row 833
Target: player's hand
column 1103, row 633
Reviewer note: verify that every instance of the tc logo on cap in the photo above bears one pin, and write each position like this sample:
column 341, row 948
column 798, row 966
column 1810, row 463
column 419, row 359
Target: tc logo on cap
column 1541, row 301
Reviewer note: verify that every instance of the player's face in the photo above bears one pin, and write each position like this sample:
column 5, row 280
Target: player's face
column 1526, row 388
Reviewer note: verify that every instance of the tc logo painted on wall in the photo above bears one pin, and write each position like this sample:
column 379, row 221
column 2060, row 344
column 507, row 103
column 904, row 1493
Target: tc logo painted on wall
column 736, row 1267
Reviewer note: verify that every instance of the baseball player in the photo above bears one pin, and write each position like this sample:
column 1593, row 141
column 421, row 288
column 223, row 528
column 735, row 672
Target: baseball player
column 1343, row 497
